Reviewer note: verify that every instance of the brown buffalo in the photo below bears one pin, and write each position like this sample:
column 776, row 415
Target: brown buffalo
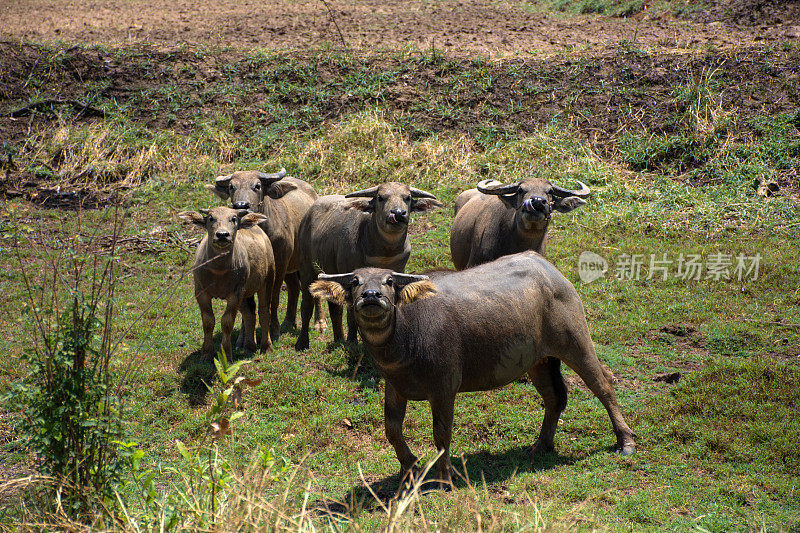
column 496, row 219
column 363, row 228
column 284, row 201
column 234, row 262
column 473, row 330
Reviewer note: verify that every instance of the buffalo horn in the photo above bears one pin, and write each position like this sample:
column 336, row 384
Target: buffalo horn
column 419, row 193
column 499, row 189
column 405, row 279
column 341, row 279
column 369, row 193
column 583, row 192
column 271, row 178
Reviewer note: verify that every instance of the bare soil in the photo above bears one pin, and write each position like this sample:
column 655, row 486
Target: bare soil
column 601, row 75
column 463, row 27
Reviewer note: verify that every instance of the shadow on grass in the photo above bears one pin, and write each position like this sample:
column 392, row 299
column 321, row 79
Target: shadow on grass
column 359, row 365
column 199, row 374
column 470, row 470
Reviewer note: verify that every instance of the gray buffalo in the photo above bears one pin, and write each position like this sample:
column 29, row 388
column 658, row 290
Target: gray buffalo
column 284, row 201
column 473, row 330
column 497, row 219
column 234, row 262
column 364, row 228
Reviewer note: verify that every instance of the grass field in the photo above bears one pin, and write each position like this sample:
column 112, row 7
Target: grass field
column 680, row 166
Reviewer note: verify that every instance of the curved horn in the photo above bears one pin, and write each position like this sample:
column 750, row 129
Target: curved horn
column 583, row 192
column 404, row 279
column 419, row 193
column 371, row 192
column 223, row 180
column 341, row 279
column 272, row 178
column 497, row 188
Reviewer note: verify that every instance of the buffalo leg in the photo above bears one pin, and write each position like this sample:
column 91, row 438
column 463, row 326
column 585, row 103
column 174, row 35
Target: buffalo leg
column 207, row 315
column 246, row 340
column 336, row 321
column 292, row 281
column 585, row 363
column 306, row 308
column 546, row 377
column 228, row 318
column 442, row 411
column 394, row 413
column 352, row 327
column 273, row 285
column 319, row 318
column 267, row 313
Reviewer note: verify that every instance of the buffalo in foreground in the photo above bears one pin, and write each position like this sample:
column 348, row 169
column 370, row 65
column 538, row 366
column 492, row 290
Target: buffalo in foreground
column 473, row 330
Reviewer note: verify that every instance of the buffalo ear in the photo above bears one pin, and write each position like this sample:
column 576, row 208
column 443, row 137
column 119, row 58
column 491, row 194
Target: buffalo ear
column 220, row 187
column 366, row 205
column 329, row 290
column 416, row 291
column 194, row 217
column 251, row 219
column 279, row 188
column 423, row 205
column 565, row 205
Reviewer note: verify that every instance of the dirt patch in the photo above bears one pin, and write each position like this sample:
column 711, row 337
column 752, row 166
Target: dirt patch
column 462, row 27
column 687, row 339
column 762, row 13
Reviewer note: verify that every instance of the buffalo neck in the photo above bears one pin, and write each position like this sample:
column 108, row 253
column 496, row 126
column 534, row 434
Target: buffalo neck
column 222, row 260
column 383, row 351
column 534, row 237
column 382, row 243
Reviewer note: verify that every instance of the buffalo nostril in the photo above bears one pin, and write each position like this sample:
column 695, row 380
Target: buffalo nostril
column 241, row 205
column 371, row 293
column 222, row 235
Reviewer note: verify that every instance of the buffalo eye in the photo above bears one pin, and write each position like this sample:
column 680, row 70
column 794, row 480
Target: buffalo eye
column 233, row 219
column 354, row 283
column 381, row 199
column 389, row 282
column 407, row 199
column 257, row 186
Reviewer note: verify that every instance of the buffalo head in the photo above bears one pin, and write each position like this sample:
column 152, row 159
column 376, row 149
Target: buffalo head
column 247, row 189
column 374, row 293
column 392, row 204
column 535, row 199
column 222, row 223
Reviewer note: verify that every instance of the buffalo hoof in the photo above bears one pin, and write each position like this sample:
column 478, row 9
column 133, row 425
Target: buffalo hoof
column 628, row 449
column 301, row 345
column 541, row 448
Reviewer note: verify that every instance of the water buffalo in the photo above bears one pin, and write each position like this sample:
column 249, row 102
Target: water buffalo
column 473, row 330
column 284, row 201
column 363, row 228
column 234, row 262
column 496, row 219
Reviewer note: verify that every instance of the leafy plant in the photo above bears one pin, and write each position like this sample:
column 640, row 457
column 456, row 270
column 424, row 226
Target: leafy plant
column 70, row 412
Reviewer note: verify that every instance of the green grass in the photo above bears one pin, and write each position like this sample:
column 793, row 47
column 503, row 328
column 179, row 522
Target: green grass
column 717, row 451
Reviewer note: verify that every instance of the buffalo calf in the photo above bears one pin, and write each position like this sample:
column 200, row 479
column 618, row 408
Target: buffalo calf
column 234, row 262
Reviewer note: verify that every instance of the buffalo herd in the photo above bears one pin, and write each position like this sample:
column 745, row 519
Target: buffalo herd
column 506, row 311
